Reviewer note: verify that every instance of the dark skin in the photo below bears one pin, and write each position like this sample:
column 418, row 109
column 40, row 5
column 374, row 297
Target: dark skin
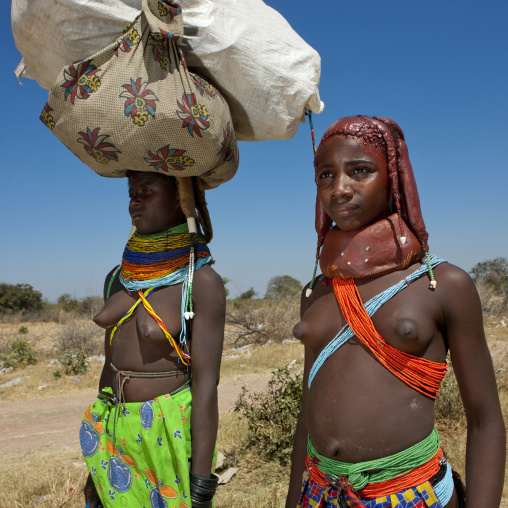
column 140, row 345
column 356, row 410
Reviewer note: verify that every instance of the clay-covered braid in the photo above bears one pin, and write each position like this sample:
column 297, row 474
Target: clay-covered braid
column 202, row 208
column 386, row 137
column 193, row 204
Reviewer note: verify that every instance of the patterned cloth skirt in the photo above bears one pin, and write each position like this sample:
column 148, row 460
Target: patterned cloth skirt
column 138, row 453
column 429, row 494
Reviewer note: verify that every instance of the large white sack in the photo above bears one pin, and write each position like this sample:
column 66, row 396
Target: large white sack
column 267, row 72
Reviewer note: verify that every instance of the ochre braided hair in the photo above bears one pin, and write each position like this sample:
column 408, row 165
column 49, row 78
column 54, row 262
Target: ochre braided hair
column 193, row 204
column 387, row 138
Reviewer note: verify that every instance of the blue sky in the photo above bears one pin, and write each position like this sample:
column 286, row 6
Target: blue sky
column 437, row 68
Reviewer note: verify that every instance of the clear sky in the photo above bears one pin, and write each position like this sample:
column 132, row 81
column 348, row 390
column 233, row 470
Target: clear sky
column 438, row 68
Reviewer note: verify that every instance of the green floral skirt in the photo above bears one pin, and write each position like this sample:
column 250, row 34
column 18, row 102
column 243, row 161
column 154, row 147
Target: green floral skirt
column 138, row 453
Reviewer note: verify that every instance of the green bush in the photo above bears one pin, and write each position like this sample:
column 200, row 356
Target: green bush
column 73, row 361
column 282, row 286
column 19, row 354
column 272, row 415
column 19, row 297
column 248, row 295
column 88, row 305
column 68, row 303
column 493, row 274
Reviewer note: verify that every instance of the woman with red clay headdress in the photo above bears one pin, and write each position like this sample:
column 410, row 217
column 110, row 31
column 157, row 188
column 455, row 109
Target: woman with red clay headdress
column 377, row 326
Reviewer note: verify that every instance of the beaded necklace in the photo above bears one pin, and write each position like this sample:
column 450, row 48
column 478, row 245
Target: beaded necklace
column 163, row 259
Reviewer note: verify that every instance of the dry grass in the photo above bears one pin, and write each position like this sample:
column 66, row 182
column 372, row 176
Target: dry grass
column 260, row 321
column 38, row 382
column 53, row 480
column 257, row 484
column 261, row 360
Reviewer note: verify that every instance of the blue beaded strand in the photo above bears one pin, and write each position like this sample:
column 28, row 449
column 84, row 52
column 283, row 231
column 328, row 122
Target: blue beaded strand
column 177, row 277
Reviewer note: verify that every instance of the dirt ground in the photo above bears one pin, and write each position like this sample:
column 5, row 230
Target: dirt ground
column 29, row 426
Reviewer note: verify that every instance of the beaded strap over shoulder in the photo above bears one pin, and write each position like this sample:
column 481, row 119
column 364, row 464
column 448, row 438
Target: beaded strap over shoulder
column 371, row 307
column 115, row 273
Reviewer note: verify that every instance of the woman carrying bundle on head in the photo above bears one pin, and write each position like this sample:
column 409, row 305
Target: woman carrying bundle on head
column 149, row 439
column 377, row 326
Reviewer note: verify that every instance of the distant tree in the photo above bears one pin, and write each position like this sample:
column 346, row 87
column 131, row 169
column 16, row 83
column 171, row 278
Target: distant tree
column 282, row 286
column 226, row 281
column 91, row 304
column 19, row 297
column 248, row 295
column 492, row 273
column 68, row 302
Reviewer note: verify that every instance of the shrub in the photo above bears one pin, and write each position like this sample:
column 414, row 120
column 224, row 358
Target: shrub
column 23, row 330
column 282, row 286
column 259, row 321
column 19, row 354
column 90, row 305
column 19, row 297
column 248, row 295
column 67, row 302
column 493, row 304
column 80, row 334
column 272, row 415
column 493, row 274
column 73, row 361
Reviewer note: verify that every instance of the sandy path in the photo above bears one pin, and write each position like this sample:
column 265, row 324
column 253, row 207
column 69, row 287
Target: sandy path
column 38, row 425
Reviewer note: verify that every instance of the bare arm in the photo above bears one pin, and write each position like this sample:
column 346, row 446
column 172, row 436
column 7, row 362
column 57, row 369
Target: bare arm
column 111, row 287
column 300, row 442
column 486, row 440
column 206, row 353
column 106, row 379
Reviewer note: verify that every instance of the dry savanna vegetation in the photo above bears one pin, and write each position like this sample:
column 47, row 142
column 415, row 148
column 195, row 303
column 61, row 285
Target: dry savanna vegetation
column 43, row 350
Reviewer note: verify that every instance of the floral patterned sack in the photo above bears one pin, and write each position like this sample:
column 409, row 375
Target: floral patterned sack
column 134, row 105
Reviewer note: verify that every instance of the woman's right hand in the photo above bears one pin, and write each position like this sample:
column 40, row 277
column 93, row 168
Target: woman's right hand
column 91, row 497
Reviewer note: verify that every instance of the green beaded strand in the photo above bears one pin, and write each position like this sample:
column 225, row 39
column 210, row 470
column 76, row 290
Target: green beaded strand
column 308, row 292
column 433, row 281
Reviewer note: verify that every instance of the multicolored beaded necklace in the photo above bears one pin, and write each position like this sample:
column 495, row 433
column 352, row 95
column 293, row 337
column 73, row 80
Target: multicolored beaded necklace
column 163, row 259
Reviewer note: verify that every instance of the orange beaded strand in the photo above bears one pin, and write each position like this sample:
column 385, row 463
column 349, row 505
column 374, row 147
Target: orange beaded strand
column 422, row 375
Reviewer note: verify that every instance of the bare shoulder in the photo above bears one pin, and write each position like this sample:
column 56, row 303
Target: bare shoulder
column 207, row 282
column 452, row 275
column 457, row 289
column 206, row 275
column 451, row 278
column 304, row 299
column 319, row 289
column 112, row 283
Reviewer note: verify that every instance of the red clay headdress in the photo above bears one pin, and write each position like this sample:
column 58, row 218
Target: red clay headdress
column 403, row 233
